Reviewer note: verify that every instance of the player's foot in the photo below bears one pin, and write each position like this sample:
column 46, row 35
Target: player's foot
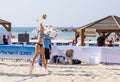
column 31, row 69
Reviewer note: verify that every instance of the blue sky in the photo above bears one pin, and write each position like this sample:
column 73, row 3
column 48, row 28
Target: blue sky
column 60, row 12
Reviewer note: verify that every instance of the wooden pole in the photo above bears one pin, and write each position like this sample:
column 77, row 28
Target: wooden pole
column 82, row 36
column 76, row 36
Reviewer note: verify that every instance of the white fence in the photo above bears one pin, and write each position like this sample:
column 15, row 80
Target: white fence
column 105, row 54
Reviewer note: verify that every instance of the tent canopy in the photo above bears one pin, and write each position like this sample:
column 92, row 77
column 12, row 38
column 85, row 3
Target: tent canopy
column 5, row 24
column 105, row 25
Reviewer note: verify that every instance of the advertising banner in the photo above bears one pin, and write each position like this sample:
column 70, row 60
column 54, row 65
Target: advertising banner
column 24, row 52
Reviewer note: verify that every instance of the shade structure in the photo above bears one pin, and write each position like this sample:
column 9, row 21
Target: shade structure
column 107, row 25
column 5, row 24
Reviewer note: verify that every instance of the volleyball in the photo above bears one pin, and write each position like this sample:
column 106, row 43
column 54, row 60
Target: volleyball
column 44, row 16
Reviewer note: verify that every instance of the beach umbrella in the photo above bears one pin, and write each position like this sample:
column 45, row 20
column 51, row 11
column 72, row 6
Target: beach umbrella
column 49, row 29
column 35, row 31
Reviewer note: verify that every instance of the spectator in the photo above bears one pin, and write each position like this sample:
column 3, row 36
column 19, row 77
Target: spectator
column 74, row 42
column 5, row 40
column 47, row 47
column 101, row 40
column 116, row 38
column 26, row 32
column 110, row 43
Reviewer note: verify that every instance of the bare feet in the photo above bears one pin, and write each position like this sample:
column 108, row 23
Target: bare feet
column 31, row 69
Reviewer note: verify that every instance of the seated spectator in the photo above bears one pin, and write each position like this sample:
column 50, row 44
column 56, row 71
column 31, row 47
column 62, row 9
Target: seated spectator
column 35, row 37
column 110, row 43
column 112, row 40
column 116, row 38
column 74, row 42
column 69, row 56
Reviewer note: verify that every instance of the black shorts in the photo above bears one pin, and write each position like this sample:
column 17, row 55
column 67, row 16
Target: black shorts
column 41, row 45
column 47, row 53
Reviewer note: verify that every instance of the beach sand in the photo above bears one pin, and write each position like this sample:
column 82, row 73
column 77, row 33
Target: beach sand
column 11, row 71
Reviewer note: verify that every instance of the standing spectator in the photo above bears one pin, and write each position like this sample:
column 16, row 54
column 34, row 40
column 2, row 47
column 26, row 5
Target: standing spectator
column 47, row 47
column 101, row 40
column 5, row 40
column 25, row 32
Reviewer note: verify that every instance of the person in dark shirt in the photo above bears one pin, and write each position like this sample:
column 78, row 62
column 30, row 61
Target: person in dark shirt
column 110, row 44
column 5, row 41
column 101, row 40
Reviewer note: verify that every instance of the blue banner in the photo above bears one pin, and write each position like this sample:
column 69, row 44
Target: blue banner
column 24, row 52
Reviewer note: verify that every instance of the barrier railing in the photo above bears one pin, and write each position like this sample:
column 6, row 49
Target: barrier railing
column 107, row 55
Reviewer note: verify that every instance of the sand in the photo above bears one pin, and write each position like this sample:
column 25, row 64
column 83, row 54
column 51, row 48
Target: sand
column 11, row 71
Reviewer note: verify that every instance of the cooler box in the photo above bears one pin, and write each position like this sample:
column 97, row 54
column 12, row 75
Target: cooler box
column 94, row 60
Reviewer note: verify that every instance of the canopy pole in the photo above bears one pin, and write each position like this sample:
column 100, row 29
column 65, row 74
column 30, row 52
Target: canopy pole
column 76, row 35
column 82, row 36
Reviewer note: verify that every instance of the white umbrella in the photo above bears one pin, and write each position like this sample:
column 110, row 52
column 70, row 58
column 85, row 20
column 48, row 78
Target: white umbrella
column 35, row 31
column 49, row 29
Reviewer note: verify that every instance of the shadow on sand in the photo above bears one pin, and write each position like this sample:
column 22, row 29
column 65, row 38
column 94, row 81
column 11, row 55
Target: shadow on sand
column 22, row 65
